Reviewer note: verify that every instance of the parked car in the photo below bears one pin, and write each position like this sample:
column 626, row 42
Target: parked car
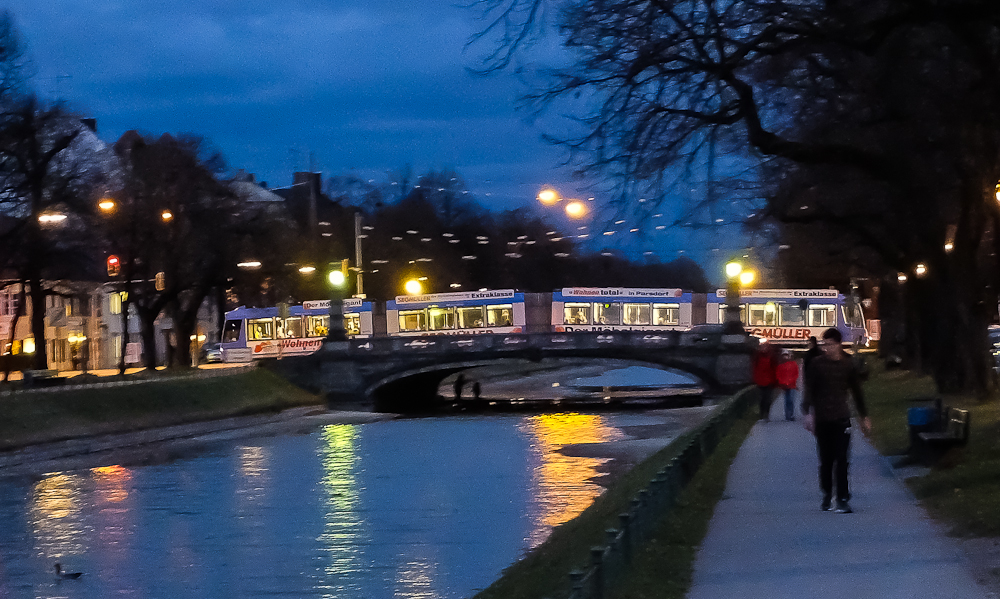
column 210, row 352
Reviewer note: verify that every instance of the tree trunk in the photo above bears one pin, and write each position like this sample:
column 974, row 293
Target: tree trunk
column 147, row 327
column 41, row 360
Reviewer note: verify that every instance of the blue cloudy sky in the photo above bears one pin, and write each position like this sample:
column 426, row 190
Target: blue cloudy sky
column 371, row 86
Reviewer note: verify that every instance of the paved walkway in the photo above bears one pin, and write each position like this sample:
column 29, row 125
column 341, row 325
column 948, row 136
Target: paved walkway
column 768, row 537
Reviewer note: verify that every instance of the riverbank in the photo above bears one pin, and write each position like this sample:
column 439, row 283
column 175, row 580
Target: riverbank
column 34, row 418
column 961, row 489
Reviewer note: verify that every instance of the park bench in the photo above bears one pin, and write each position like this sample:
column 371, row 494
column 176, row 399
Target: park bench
column 42, row 378
column 954, row 432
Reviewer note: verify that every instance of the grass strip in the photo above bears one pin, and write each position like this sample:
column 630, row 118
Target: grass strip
column 663, row 566
column 545, row 571
column 31, row 418
column 961, row 489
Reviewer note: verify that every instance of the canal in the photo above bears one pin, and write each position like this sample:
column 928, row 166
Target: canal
column 421, row 508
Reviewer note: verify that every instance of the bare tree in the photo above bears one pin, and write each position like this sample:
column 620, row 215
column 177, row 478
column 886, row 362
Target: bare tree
column 888, row 107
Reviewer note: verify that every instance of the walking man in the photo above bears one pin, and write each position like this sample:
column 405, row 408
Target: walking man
column 830, row 377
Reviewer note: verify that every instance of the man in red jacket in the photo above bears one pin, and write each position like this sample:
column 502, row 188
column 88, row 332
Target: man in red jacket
column 763, row 376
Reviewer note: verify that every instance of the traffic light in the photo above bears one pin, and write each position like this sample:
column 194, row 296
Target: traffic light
column 114, row 266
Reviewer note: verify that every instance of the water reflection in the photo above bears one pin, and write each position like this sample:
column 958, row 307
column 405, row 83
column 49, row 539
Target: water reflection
column 429, row 508
column 342, row 526
column 563, row 484
column 56, row 519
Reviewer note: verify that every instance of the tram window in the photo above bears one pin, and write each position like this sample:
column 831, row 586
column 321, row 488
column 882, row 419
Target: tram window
column 822, row 316
column 743, row 313
column 352, row 324
column 231, row 331
column 607, row 313
column 500, row 315
column 317, row 326
column 791, row 315
column 470, row 318
column 576, row 314
column 636, row 314
column 762, row 314
column 260, row 328
column 853, row 315
column 289, row 328
column 441, row 318
column 412, row 320
column 666, row 314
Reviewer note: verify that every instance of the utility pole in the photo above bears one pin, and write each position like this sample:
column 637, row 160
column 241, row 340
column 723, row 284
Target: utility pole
column 357, row 252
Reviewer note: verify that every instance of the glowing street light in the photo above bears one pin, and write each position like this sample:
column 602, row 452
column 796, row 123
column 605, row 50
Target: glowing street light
column 106, row 205
column 413, row 287
column 746, row 277
column 576, row 209
column 166, row 215
column 920, row 270
column 307, row 270
column 336, row 278
column 51, row 217
column 249, row 264
column 548, row 196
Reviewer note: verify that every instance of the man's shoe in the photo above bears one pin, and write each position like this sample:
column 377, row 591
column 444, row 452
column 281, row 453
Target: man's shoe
column 825, row 506
column 843, row 508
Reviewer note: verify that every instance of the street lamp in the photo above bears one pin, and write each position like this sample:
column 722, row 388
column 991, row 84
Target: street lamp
column 336, row 332
column 548, row 196
column 576, row 209
column 413, row 287
column 106, row 205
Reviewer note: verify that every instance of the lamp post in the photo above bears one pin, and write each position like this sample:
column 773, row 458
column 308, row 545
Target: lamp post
column 336, row 332
column 736, row 278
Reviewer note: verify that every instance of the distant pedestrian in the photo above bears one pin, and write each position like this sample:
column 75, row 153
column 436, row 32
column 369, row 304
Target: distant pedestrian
column 459, row 385
column 763, row 376
column 787, row 376
column 475, row 390
column 830, row 378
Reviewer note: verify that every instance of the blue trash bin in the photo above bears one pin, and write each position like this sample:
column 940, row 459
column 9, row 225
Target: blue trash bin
column 920, row 420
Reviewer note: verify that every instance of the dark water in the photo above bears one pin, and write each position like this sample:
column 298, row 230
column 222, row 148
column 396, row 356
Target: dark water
column 424, row 508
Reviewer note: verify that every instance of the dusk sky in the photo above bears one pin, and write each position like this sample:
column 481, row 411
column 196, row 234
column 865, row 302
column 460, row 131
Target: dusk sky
column 370, row 86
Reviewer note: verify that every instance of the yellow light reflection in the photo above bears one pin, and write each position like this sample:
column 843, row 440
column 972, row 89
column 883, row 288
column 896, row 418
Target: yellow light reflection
column 55, row 515
column 254, row 468
column 114, row 518
column 110, row 483
column 415, row 580
column 563, row 486
column 342, row 528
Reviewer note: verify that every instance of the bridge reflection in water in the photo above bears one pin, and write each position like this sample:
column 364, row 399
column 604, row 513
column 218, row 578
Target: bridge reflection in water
column 418, row 508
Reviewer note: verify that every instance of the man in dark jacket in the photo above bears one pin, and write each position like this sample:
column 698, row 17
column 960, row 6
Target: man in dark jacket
column 829, row 379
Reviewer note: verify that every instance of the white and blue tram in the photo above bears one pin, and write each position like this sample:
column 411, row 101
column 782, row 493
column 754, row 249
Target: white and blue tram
column 791, row 316
column 620, row 309
column 250, row 333
column 471, row 312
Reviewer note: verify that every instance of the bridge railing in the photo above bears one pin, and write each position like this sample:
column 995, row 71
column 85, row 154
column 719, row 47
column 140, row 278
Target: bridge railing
column 610, row 562
column 433, row 344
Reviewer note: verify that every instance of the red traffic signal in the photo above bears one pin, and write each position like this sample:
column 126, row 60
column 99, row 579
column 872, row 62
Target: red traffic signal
column 114, row 266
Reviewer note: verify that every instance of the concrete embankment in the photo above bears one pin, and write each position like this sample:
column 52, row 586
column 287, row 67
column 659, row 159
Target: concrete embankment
column 164, row 443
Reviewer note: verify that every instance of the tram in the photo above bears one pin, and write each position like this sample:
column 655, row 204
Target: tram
column 620, row 309
column 250, row 333
column 792, row 316
column 472, row 312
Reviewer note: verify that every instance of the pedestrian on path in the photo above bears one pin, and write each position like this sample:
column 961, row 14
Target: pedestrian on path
column 787, row 377
column 459, row 385
column 763, row 376
column 830, row 378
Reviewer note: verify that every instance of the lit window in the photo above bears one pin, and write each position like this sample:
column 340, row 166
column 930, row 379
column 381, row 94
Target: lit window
column 412, row 320
column 636, row 314
column 609, row 313
column 500, row 315
column 666, row 314
column 260, row 328
column 576, row 314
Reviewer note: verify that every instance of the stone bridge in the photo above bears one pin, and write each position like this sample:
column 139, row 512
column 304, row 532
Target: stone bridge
column 403, row 373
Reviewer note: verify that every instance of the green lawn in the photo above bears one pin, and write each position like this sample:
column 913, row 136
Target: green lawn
column 35, row 417
column 962, row 489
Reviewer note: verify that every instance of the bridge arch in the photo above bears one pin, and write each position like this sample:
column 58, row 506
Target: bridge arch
column 416, row 388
